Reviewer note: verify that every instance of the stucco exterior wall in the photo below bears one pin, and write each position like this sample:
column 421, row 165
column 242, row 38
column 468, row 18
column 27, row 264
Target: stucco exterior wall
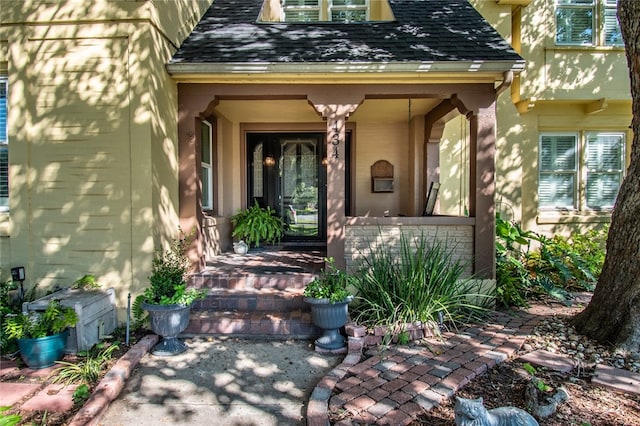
column 563, row 88
column 381, row 141
column 92, row 137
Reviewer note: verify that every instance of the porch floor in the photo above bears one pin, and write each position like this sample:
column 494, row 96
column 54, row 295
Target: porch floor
column 257, row 294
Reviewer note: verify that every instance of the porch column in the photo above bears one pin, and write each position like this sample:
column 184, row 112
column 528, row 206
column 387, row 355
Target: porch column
column 336, row 115
column 482, row 177
column 190, row 108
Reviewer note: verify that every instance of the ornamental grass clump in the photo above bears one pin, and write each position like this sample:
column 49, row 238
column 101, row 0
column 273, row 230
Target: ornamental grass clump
column 421, row 281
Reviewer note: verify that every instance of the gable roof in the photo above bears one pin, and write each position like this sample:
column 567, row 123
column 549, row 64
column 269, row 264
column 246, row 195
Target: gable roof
column 427, row 35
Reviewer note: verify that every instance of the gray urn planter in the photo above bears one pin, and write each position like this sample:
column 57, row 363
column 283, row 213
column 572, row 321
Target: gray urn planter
column 168, row 321
column 330, row 317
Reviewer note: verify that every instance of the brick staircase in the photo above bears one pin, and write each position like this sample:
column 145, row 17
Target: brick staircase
column 256, row 295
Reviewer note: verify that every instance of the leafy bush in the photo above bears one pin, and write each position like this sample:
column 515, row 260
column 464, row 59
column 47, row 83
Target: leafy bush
column 557, row 266
column 332, row 284
column 168, row 280
column 55, row 319
column 422, row 282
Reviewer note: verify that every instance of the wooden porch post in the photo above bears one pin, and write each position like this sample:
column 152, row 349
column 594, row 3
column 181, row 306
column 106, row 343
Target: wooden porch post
column 335, row 108
column 482, row 177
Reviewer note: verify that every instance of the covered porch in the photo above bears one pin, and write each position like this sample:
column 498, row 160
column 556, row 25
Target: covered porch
column 401, row 125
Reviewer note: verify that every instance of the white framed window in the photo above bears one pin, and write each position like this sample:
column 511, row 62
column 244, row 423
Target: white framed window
column 326, row 10
column 349, row 10
column 302, row 10
column 558, row 171
column 580, row 170
column 587, row 23
column 604, row 167
column 206, row 163
column 4, row 146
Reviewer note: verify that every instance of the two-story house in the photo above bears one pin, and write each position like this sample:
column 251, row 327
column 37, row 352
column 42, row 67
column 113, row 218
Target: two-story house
column 126, row 119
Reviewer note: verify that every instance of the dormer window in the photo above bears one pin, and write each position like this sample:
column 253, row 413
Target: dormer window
column 307, row 11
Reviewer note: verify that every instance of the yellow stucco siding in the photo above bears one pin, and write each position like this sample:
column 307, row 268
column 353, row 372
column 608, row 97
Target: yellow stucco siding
column 562, row 89
column 93, row 138
column 380, row 141
column 70, row 170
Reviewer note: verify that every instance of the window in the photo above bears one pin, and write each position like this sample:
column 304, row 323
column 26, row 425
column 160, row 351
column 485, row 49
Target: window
column 4, row 147
column 302, row 10
column 326, row 10
column 206, row 161
column 587, row 23
column 604, row 167
column 562, row 170
column 349, row 10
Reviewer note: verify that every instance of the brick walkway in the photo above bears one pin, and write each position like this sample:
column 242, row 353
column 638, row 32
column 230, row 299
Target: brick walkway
column 395, row 386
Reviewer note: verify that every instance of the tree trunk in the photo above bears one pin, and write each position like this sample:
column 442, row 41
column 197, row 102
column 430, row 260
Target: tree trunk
column 613, row 316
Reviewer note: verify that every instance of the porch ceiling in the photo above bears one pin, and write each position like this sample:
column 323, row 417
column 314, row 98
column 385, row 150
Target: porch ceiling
column 300, row 111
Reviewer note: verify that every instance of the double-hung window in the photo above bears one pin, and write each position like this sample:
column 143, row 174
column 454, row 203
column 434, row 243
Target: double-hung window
column 4, row 147
column 206, row 162
column 587, row 23
column 326, row 10
column 580, row 170
column 349, row 10
column 302, row 10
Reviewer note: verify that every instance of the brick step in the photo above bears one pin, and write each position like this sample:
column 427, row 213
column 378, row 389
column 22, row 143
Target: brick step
column 210, row 279
column 270, row 324
column 253, row 300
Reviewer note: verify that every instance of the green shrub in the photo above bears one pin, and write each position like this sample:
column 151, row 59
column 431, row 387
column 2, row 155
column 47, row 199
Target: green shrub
column 422, row 282
column 559, row 264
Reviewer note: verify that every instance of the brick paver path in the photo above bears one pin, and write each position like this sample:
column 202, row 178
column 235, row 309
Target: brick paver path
column 395, row 386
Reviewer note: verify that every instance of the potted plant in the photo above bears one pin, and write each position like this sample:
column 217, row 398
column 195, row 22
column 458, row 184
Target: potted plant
column 255, row 224
column 167, row 300
column 41, row 336
column 329, row 297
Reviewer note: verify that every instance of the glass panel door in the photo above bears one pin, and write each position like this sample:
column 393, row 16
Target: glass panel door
column 285, row 172
column 299, row 183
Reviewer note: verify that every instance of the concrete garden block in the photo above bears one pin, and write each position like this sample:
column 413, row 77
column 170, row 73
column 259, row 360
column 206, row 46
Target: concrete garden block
column 96, row 311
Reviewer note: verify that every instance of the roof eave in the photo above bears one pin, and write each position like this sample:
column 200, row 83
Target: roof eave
column 178, row 69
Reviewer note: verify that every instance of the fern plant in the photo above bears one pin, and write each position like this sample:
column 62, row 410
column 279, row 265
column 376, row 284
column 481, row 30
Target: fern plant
column 54, row 320
column 255, row 224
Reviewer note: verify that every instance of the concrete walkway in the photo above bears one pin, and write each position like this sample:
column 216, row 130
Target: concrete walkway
column 248, row 382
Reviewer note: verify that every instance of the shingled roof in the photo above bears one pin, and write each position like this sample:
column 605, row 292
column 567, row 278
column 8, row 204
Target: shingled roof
column 425, row 35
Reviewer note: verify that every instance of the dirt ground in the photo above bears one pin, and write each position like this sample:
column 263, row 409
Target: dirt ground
column 505, row 385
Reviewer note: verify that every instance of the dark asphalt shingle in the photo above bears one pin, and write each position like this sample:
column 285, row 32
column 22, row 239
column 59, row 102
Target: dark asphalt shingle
column 423, row 31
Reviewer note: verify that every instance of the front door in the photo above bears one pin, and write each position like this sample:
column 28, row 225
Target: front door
column 285, row 172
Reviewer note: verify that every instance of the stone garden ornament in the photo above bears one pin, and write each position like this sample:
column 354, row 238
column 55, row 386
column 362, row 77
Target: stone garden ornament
column 471, row 412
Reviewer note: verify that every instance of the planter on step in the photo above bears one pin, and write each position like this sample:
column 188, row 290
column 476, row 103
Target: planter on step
column 330, row 317
column 168, row 321
column 42, row 352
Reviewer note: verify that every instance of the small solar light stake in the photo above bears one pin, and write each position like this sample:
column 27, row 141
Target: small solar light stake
column 17, row 274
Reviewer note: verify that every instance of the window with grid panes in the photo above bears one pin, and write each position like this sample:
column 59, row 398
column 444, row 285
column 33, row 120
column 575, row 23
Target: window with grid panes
column 349, row 10
column 587, row 23
column 561, row 170
column 4, row 147
column 302, row 10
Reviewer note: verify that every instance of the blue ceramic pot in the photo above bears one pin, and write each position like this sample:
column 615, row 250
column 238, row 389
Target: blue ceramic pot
column 43, row 352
